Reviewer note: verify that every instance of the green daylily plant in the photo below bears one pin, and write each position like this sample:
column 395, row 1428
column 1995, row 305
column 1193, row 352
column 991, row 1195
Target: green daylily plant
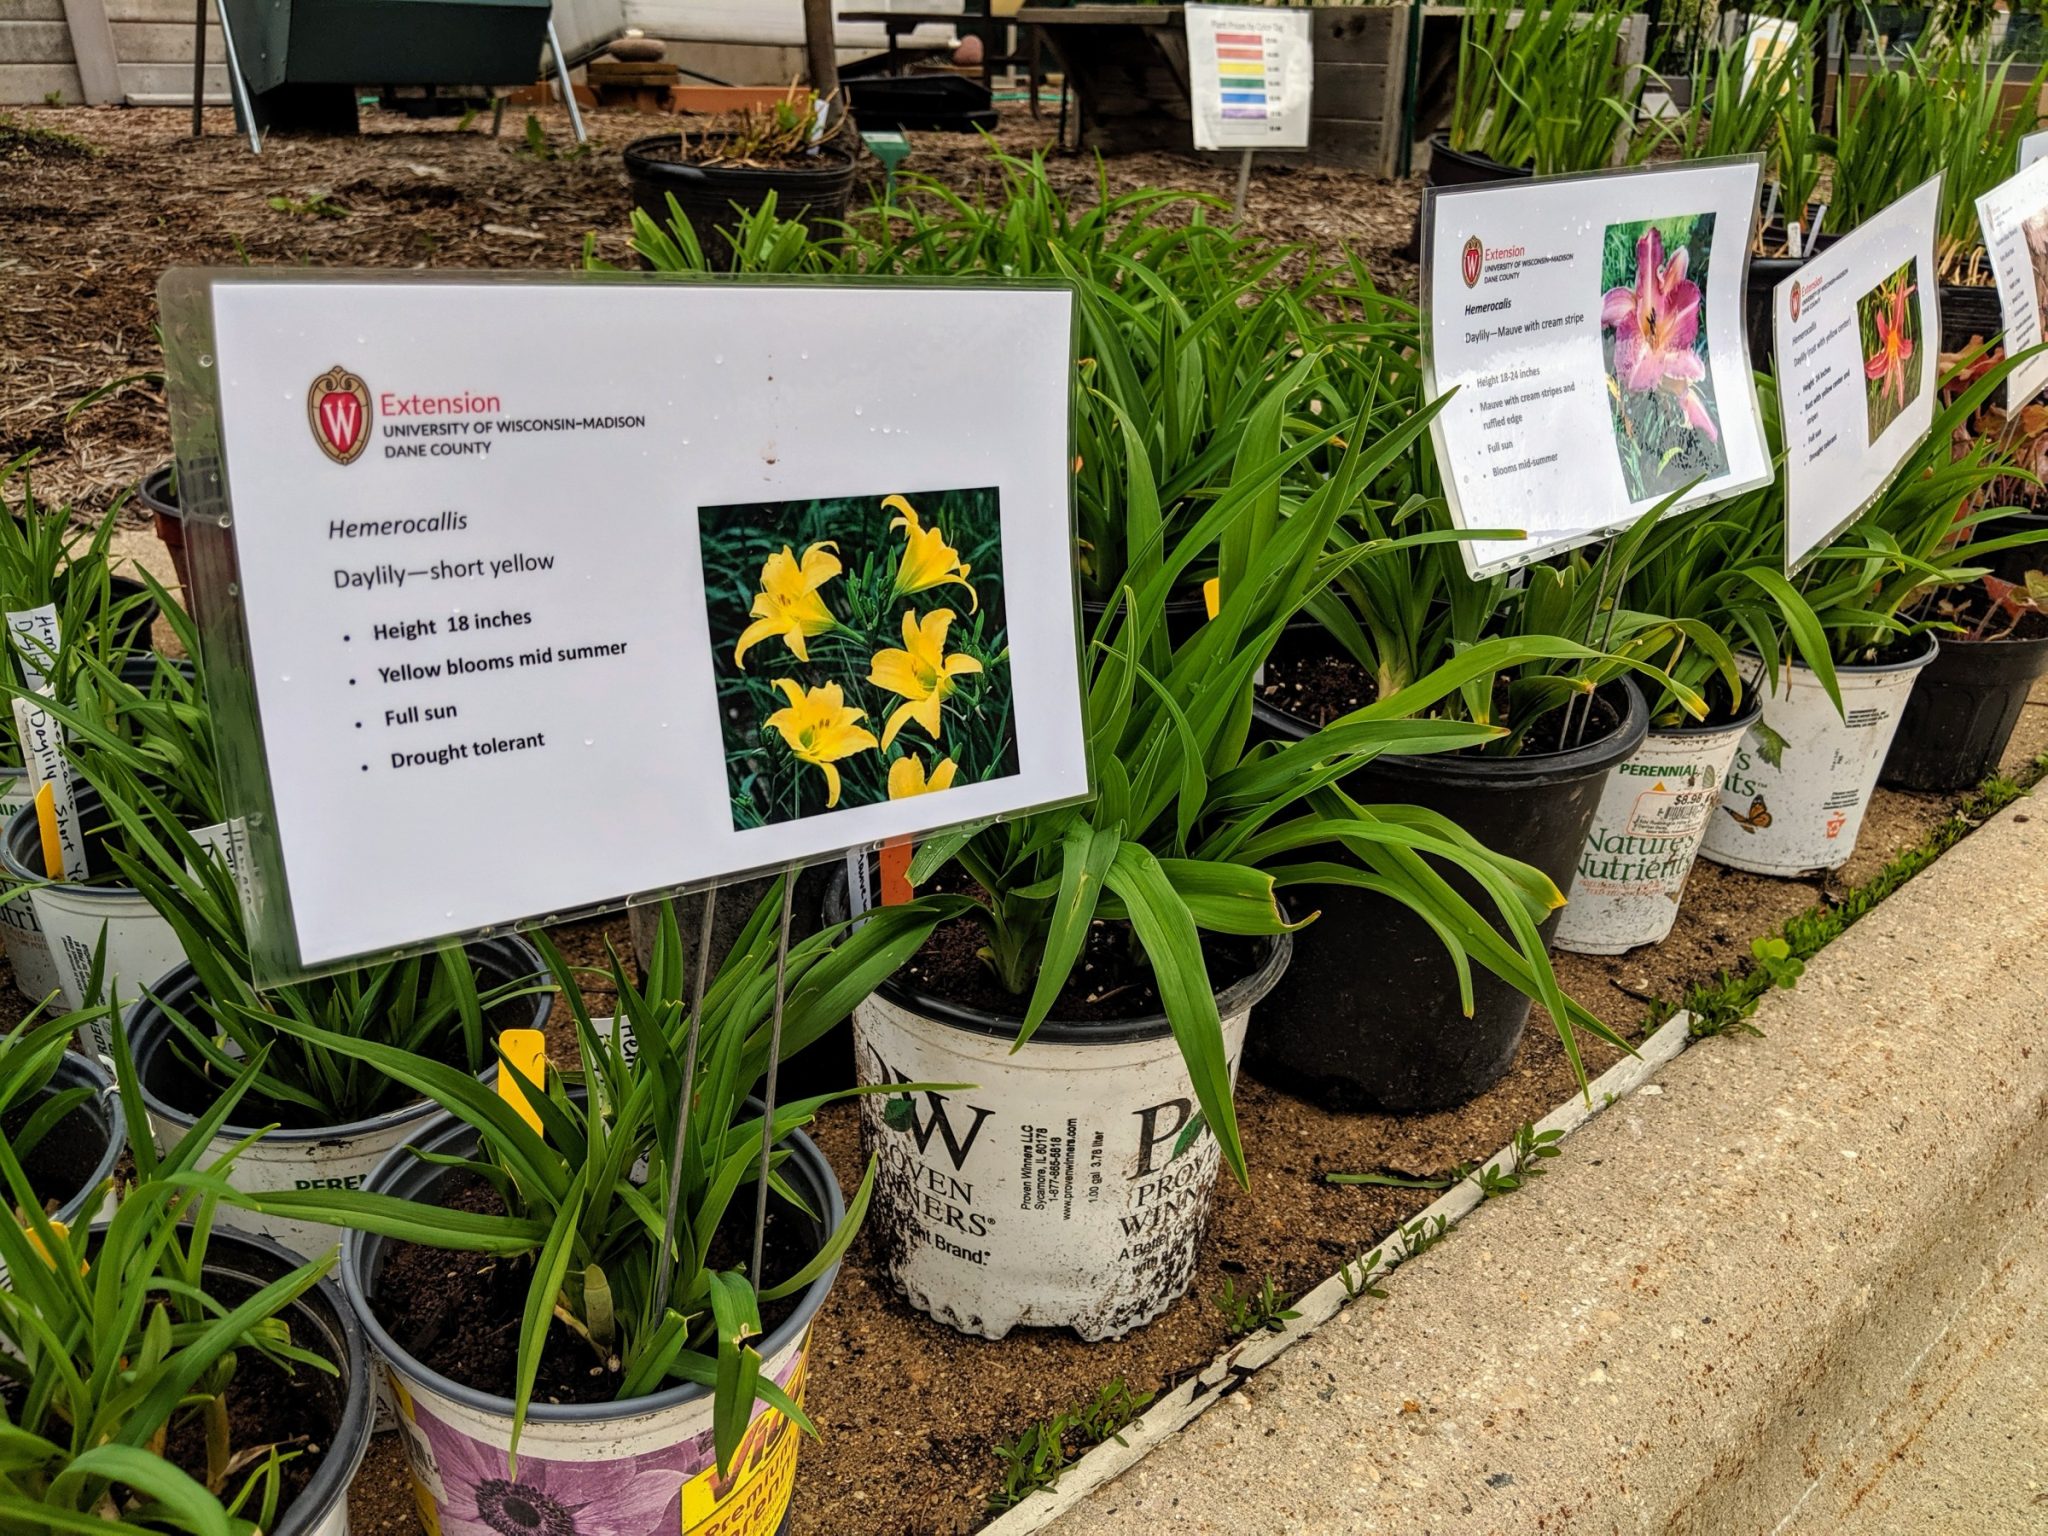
column 583, row 1198
column 108, row 1339
column 149, row 751
column 1547, row 86
column 1195, row 825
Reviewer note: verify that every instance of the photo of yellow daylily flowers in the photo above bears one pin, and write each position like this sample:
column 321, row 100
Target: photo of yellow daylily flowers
column 860, row 648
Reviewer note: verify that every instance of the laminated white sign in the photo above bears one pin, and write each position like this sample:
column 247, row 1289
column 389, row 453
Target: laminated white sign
column 726, row 577
column 1856, row 330
column 2014, row 218
column 1251, row 71
column 2032, row 147
column 1592, row 330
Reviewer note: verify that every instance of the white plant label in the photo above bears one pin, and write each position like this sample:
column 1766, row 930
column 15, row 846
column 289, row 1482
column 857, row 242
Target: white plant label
column 1856, row 333
column 730, row 577
column 2032, row 147
column 42, row 749
column 1251, row 74
column 2014, row 218
column 1589, row 330
column 33, row 634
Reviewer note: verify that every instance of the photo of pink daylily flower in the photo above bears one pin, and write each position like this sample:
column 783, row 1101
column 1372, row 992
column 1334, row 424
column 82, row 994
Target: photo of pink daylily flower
column 1653, row 329
column 1894, row 362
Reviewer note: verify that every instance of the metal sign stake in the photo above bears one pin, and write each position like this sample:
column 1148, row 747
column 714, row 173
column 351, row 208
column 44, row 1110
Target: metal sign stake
column 664, row 1269
column 774, row 1067
column 1244, row 182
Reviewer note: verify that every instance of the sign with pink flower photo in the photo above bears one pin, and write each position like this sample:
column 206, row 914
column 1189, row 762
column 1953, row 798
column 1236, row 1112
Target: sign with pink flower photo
column 751, row 575
column 1854, row 331
column 1588, row 332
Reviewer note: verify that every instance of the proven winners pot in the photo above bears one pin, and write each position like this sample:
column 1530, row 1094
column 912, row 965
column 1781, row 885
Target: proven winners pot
column 297, row 1155
column 1069, row 1188
column 1793, row 800
column 1646, row 836
column 235, row 1268
column 644, row 1465
column 141, row 945
column 1369, row 1016
column 1962, row 712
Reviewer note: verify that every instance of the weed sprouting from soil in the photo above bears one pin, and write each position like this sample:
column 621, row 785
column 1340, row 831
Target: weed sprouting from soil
column 1264, row 1310
column 1035, row 1459
column 318, row 206
column 1725, row 1004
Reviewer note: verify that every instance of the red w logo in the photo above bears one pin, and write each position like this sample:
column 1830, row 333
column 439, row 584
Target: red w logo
column 1472, row 261
column 338, row 407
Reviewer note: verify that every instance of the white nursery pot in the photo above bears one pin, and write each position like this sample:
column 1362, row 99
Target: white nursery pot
column 646, row 1465
column 1654, row 812
column 141, row 945
column 1794, row 797
column 21, row 935
column 318, row 1157
column 1056, row 1192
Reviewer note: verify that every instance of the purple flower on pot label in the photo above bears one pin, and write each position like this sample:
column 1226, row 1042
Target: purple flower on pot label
column 481, row 1496
column 667, row 1490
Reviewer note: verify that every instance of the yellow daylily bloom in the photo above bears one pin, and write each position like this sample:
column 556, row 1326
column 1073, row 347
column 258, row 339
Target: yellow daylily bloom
column 820, row 727
column 788, row 603
column 921, row 672
column 928, row 560
column 906, row 777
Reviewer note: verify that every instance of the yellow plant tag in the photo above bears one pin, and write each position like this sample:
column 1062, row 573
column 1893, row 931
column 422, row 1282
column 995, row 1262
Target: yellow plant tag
column 46, row 822
column 35, row 1240
column 526, row 1049
column 1212, row 595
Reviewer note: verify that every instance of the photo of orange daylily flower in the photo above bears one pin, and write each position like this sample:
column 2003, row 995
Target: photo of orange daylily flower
column 860, row 649
column 1894, row 362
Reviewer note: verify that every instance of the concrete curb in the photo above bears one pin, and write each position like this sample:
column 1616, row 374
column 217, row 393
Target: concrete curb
column 1702, row 1336
column 1369, row 1274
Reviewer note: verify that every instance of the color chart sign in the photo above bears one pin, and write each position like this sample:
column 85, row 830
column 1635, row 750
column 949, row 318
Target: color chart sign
column 1250, row 72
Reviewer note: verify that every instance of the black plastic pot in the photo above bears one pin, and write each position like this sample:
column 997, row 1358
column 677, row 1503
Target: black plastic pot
column 1765, row 273
column 96, row 1120
column 1969, row 310
column 158, row 493
column 715, row 198
column 1185, row 615
column 1962, row 712
column 1369, row 1014
column 2013, row 564
column 237, row 1265
column 1450, row 167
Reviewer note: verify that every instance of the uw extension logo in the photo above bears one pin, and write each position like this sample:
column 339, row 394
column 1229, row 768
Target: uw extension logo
column 338, row 407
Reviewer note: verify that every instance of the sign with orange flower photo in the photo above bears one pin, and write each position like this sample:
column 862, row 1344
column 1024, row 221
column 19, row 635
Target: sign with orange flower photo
column 754, row 575
column 860, row 647
column 1855, row 367
column 1586, row 338
column 2014, row 218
